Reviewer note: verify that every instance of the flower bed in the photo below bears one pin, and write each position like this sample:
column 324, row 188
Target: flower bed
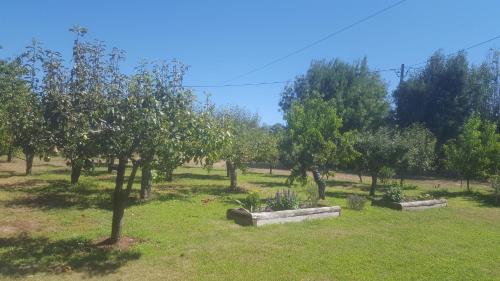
column 412, row 205
column 244, row 217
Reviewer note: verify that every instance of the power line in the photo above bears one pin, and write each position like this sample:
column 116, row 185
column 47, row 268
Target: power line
column 238, row 85
column 395, row 69
column 461, row 50
column 319, row 40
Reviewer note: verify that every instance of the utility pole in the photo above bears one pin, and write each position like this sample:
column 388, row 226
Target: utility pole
column 402, row 74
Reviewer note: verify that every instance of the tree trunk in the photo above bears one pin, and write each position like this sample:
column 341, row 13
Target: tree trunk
column 169, row 175
column 374, row 184
column 146, row 179
column 76, row 171
column 10, row 153
column 228, row 174
column 233, row 175
column 468, row 186
column 29, row 163
column 360, row 176
column 270, row 169
column 320, row 183
column 111, row 163
column 119, row 201
column 401, row 181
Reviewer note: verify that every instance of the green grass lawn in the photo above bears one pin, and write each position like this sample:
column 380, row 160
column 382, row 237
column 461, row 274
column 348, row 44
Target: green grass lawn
column 48, row 231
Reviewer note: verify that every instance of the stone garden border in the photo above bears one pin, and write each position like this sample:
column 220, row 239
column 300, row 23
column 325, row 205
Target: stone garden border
column 412, row 205
column 244, row 217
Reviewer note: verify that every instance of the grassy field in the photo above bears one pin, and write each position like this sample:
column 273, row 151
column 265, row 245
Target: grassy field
column 49, row 229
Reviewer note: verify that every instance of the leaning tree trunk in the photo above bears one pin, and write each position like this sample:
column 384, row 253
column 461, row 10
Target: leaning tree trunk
column 321, row 184
column 360, row 176
column 10, row 153
column 76, row 170
column 120, row 198
column 29, row 163
column 374, row 184
column 146, row 179
column 110, row 161
column 233, row 175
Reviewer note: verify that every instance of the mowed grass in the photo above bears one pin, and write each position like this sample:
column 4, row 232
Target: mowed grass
column 49, row 229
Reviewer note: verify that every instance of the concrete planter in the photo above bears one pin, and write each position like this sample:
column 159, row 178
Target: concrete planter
column 412, row 205
column 243, row 217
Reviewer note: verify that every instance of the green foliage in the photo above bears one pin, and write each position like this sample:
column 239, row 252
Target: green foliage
column 386, row 174
column 312, row 195
column 474, row 154
column 251, row 202
column 357, row 94
column 394, row 193
column 381, row 148
column 356, row 202
column 420, row 156
column 313, row 139
column 443, row 95
column 284, row 200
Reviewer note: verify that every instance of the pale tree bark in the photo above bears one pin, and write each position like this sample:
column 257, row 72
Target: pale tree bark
column 320, row 183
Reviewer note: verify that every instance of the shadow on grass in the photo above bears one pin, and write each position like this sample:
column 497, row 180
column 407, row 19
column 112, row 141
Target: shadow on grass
column 8, row 174
column 200, row 176
column 59, row 194
column 483, row 199
column 267, row 184
column 24, row 255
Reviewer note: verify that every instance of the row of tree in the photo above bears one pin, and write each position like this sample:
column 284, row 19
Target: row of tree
column 445, row 118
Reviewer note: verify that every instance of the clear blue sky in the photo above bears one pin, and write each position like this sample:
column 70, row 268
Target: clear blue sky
column 221, row 39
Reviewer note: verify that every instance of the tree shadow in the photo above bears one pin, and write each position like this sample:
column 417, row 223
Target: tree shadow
column 267, row 184
column 24, row 255
column 59, row 194
column 8, row 174
column 200, row 176
column 483, row 199
column 334, row 182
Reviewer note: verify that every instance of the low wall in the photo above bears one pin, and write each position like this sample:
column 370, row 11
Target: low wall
column 243, row 217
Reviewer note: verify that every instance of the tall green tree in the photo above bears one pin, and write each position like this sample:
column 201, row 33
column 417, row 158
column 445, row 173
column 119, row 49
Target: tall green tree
column 358, row 94
column 377, row 149
column 443, row 95
column 473, row 154
column 23, row 122
column 313, row 140
column 239, row 150
column 420, row 156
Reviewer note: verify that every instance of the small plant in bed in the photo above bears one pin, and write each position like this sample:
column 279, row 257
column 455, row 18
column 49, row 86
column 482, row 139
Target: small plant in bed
column 284, row 200
column 394, row 193
column 356, row 202
column 251, row 202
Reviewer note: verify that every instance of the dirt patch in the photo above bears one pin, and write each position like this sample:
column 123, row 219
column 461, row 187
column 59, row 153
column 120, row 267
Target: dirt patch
column 17, row 227
column 124, row 243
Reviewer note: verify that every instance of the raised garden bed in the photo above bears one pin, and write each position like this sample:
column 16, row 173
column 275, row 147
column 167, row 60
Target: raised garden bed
column 412, row 205
column 244, row 217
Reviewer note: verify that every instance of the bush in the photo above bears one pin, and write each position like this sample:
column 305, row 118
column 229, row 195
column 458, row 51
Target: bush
column 284, row 200
column 386, row 174
column 251, row 202
column 356, row 202
column 394, row 193
column 312, row 194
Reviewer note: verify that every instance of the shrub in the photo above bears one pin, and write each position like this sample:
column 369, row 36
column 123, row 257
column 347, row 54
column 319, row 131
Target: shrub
column 394, row 193
column 312, row 194
column 251, row 202
column 283, row 200
column 356, row 202
column 386, row 174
